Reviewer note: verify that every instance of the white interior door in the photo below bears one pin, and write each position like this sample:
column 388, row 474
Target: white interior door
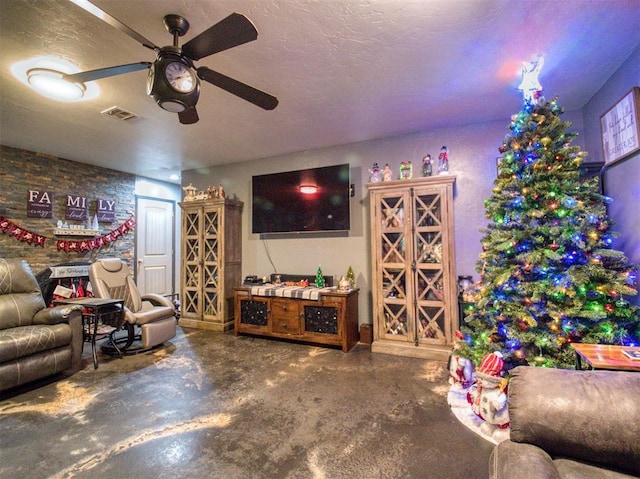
column 155, row 245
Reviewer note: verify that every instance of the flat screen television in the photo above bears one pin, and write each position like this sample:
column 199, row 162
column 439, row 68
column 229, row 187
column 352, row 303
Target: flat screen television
column 311, row 200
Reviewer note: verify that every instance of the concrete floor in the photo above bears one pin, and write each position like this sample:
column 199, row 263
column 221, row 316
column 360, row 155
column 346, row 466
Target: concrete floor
column 212, row 405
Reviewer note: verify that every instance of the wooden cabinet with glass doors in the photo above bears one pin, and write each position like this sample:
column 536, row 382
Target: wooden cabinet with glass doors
column 211, row 262
column 415, row 309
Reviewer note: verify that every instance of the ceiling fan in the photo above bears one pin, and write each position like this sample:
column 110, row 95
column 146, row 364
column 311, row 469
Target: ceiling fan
column 173, row 80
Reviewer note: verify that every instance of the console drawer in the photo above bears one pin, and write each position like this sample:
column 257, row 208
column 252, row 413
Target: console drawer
column 284, row 317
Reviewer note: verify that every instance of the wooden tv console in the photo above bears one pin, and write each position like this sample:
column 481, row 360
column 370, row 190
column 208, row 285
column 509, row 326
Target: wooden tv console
column 331, row 320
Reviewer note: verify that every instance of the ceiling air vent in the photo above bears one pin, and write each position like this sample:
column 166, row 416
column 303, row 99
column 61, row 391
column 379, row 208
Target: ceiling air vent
column 119, row 113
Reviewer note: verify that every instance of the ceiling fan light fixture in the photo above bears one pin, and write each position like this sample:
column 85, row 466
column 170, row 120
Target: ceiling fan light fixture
column 44, row 74
column 173, row 106
column 50, row 83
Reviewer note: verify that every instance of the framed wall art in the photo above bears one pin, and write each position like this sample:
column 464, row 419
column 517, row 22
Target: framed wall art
column 619, row 126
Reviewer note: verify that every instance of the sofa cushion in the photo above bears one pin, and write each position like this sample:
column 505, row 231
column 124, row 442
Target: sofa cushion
column 568, row 469
column 510, row 460
column 590, row 416
column 26, row 340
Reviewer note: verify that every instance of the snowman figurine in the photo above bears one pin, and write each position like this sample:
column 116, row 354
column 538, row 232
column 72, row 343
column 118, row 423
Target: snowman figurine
column 488, row 396
column 376, row 174
column 460, row 369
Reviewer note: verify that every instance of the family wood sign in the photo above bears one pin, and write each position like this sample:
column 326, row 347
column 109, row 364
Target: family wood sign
column 40, row 205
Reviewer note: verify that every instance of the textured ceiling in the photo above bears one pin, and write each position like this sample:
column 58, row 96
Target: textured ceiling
column 344, row 71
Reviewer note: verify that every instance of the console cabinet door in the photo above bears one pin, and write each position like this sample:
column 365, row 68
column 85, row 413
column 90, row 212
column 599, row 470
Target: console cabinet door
column 253, row 314
column 322, row 318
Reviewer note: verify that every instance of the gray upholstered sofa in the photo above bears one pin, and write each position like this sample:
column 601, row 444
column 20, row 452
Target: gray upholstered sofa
column 35, row 341
column 570, row 424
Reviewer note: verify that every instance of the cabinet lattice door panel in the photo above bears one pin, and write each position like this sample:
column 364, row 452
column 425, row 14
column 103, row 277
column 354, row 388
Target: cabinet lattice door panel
column 253, row 312
column 211, row 262
column 413, row 266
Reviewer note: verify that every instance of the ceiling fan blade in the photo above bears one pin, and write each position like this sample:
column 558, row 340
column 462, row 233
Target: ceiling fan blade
column 114, row 22
column 92, row 75
column 188, row 116
column 246, row 92
column 234, row 30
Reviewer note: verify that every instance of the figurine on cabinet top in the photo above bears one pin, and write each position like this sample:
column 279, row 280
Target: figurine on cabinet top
column 201, row 195
column 406, row 170
column 376, row 175
column 387, row 174
column 443, row 161
column 189, row 192
column 427, row 167
column 214, row 193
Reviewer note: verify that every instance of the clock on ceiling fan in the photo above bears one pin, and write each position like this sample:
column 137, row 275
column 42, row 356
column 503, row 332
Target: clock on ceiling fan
column 173, row 80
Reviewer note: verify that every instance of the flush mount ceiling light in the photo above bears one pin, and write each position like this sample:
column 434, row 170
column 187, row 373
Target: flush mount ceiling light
column 308, row 189
column 46, row 76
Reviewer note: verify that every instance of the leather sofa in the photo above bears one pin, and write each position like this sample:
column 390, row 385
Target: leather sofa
column 570, row 424
column 35, row 341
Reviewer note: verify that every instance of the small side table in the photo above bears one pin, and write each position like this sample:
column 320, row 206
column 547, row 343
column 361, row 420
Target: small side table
column 109, row 312
column 605, row 356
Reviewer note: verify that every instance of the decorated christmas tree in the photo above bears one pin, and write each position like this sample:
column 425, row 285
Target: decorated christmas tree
column 319, row 278
column 549, row 273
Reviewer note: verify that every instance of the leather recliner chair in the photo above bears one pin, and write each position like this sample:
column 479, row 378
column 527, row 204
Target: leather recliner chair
column 152, row 314
column 570, row 424
column 35, row 341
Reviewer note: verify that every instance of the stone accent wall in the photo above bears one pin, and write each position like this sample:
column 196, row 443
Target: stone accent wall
column 21, row 171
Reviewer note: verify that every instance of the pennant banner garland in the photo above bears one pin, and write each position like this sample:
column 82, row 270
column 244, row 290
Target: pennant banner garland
column 23, row 235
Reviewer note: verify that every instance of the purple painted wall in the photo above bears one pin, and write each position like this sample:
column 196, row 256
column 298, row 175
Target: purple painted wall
column 622, row 178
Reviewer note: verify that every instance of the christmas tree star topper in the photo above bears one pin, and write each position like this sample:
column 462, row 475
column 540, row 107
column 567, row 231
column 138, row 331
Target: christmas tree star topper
column 530, row 85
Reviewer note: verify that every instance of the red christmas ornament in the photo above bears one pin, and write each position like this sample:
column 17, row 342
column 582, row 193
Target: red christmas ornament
column 554, row 246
